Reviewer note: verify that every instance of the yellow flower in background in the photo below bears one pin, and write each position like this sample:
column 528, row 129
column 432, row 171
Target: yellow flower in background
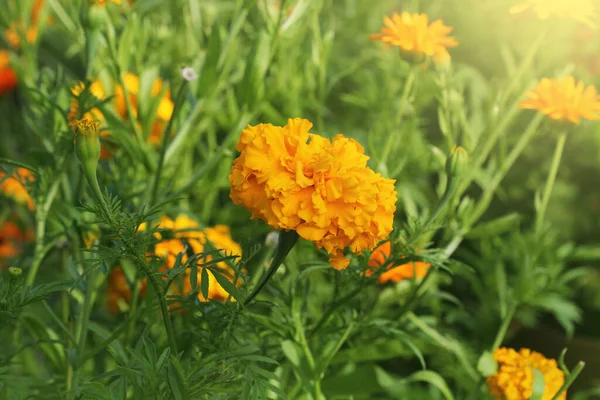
column 583, row 11
column 186, row 228
column 416, row 269
column 17, row 30
column 15, row 186
column 118, row 290
column 322, row 189
column 514, row 378
column 132, row 85
column 564, row 100
column 414, row 34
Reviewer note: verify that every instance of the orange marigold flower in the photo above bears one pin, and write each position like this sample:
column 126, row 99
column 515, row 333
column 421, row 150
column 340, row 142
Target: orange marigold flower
column 322, row 189
column 16, row 31
column 186, row 228
column 132, row 85
column 417, row 269
column 514, row 378
column 564, row 100
column 11, row 241
column 583, row 11
column 8, row 76
column 414, row 34
column 15, row 186
column 119, row 290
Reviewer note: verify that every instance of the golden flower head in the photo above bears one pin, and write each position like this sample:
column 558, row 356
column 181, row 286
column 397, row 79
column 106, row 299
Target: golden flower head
column 564, row 100
column 583, row 11
column 378, row 259
column 132, row 86
column 15, row 186
column 187, row 231
column 414, row 34
column 514, row 378
column 322, row 189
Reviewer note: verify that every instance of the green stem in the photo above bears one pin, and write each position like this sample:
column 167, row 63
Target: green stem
column 41, row 215
column 570, row 379
column 164, row 141
column 410, row 79
column 287, row 240
column 86, row 309
column 490, row 189
column 503, row 329
column 560, row 145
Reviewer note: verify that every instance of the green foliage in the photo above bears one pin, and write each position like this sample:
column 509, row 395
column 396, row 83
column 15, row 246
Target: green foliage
column 106, row 300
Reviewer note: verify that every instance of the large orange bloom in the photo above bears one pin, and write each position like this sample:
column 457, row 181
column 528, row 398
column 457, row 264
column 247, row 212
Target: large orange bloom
column 378, row 259
column 514, row 378
column 322, row 189
column 8, row 76
column 564, row 100
column 414, row 34
column 15, row 186
column 132, row 84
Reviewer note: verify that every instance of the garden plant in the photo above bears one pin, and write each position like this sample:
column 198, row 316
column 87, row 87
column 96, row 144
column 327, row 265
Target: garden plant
column 300, row 199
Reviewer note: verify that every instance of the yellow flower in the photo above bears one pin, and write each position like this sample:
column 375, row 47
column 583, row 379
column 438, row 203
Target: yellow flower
column 563, row 100
column 132, row 84
column 15, row 186
column 322, row 189
column 414, row 34
column 417, row 269
column 186, row 228
column 582, row 11
column 514, row 379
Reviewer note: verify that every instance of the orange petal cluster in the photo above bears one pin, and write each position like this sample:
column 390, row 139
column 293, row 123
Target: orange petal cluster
column 12, row 238
column 514, row 378
column 186, row 228
column 132, row 86
column 322, row 189
column 8, row 76
column 417, row 269
column 17, row 30
column 583, row 11
column 118, row 290
column 15, row 186
column 564, row 100
column 414, row 34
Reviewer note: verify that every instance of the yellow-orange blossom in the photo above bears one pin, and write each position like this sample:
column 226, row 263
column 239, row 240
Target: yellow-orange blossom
column 414, row 34
column 564, row 100
column 322, row 189
column 514, row 378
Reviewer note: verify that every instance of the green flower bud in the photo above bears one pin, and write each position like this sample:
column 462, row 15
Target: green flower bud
column 458, row 162
column 15, row 271
column 87, row 148
column 87, row 141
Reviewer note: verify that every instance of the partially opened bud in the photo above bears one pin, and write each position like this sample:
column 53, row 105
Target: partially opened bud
column 87, row 140
column 15, row 271
column 87, row 148
column 457, row 162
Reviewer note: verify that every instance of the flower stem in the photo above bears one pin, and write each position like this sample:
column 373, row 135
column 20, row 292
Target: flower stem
column 40, row 230
column 410, row 79
column 503, row 328
column 164, row 141
column 570, row 379
column 287, row 240
column 560, row 145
